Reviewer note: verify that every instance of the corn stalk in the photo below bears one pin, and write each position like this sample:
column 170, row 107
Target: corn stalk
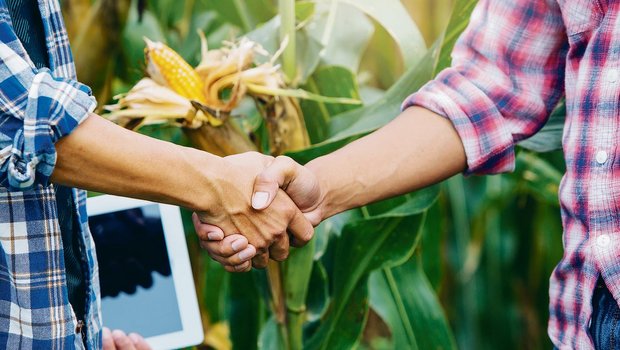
column 287, row 34
column 288, row 133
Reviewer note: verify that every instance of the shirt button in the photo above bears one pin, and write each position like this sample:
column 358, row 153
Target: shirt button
column 601, row 157
column 603, row 240
column 612, row 75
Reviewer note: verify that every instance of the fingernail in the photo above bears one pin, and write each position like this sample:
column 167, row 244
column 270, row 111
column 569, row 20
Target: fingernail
column 215, row 236
column 106, row 332
column 246, row 254
column 238, row 245
column 259, row 200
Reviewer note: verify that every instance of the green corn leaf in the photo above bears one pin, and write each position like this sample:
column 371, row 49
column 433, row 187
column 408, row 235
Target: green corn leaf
column 246, row 15
column 318, row 292
column 270, row 336
column 332, row 81
column 549, row 138
column 351, row 125
column 393, row 16
column 302, row 94
column 244, row 309
column 458, row 22
column 540, row 178
column 405, row 300
column 344, row 32
column 384, row 240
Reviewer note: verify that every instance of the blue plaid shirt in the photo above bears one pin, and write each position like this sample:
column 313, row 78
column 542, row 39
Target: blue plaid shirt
column 37, row 108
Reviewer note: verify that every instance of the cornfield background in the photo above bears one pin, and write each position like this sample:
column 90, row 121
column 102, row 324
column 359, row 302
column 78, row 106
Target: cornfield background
column 464, row 264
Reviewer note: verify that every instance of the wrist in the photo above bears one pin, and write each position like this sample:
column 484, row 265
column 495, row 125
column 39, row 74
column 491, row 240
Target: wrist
column 202, row 177
column 325, row 206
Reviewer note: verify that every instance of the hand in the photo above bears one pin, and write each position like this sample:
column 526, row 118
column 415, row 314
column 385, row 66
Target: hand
column 118, row 340
column 300, row 184
column 265, row 230
column 232, row 251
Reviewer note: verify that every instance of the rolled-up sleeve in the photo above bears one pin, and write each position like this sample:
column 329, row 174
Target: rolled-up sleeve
column 36, row 110
column 507, row 75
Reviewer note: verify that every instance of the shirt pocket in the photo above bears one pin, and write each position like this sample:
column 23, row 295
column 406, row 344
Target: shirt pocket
column 581, row 15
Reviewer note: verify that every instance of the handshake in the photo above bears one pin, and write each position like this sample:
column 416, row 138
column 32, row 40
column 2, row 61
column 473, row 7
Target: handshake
column 274, row 203
column 259, row 205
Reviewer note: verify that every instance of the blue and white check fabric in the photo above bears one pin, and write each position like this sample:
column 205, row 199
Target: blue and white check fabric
column 37, row 108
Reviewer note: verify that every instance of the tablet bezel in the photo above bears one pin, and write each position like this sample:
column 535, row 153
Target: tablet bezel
column 192, row 333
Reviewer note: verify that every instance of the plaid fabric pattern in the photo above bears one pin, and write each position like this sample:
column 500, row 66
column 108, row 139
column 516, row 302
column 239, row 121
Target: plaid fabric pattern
column 37, row 108
column 516, row 59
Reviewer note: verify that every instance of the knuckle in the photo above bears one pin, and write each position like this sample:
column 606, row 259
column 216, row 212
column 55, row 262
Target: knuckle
column 261, row 243
column 290, row 211
column 309, row 235
column 267, row 159
column 202, row 234
column 232, row 261
column 304, row 240
column 286, row 160
column 261, row 250
column 280, row 256
column 259, row 262
column 263, row 179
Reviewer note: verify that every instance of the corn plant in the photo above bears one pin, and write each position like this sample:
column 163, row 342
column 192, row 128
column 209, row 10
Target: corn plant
column 431, row 269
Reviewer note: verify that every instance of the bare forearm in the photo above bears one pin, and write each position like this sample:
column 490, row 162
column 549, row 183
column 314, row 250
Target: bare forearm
column 101, row 156
column 417, row 149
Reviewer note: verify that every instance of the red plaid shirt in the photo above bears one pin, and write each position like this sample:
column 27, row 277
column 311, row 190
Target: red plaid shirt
column 510, row 67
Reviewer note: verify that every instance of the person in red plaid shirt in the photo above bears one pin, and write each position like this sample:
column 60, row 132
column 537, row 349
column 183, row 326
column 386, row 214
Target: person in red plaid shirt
column 510, row 68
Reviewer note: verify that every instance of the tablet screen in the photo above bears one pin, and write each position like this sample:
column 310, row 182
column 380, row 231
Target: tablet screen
column 135, row 273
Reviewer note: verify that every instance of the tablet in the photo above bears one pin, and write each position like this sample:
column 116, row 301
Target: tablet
column 144, row 271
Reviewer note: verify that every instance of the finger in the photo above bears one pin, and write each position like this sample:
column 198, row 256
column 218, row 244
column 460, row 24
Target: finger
column 260, row 261
column 277, row 175
column 108, row 341
column 279, row 249
column 226, row 226
column 301, row 229
column 122, row 341
column 206, row 231
column 245, row 267
column 243, row 256
column 138, row 342
column 226, row 247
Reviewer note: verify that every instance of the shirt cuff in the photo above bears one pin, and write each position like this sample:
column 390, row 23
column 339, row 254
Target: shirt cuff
column 55, row 107
column 489, row 146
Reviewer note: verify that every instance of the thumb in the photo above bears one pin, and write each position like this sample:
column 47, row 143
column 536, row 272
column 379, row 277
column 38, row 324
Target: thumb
column 277, row 175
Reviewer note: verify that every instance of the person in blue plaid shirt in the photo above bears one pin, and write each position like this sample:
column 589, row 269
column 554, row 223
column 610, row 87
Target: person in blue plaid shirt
column 52, row 148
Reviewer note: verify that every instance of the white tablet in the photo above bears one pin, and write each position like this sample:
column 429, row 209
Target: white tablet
column 144, row 271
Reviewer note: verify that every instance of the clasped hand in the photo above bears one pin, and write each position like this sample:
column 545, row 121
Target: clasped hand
column 269, row 205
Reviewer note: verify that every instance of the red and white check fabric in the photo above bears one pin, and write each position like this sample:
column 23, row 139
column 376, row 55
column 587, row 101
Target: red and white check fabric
column 510, row 67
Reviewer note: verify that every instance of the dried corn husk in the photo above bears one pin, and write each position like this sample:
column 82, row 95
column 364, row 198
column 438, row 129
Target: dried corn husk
column 200, row 100
column 153, row 104
column 233, row 71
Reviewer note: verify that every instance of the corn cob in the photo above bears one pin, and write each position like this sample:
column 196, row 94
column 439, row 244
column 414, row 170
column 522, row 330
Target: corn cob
column 166, row 67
